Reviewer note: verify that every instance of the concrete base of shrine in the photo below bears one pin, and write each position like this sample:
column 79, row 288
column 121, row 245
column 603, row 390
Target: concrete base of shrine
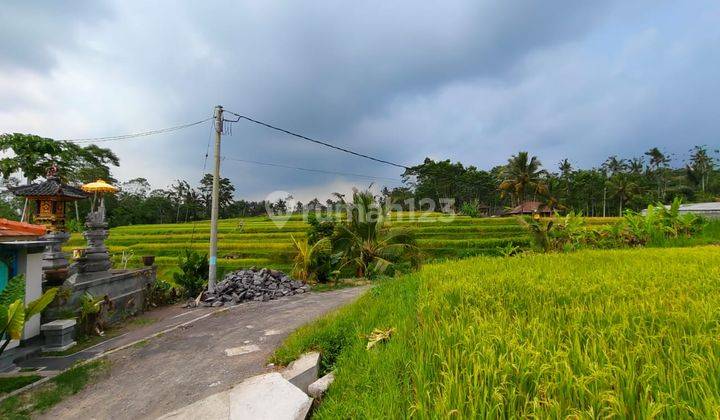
column 126, row 289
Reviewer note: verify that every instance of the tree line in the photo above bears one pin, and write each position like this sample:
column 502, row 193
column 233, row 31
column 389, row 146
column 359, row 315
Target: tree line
column 614, row 185
column 608, row 189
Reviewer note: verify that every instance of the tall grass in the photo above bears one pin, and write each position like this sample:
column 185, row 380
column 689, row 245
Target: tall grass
column 621, row 333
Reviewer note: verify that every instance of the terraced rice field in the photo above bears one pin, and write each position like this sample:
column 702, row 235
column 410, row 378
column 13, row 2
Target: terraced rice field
column 629, row 333
column 258, row 241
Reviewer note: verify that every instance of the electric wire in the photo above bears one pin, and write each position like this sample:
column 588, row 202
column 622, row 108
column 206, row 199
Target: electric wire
column 136, row 135
column 342, row 149
column 322, row 171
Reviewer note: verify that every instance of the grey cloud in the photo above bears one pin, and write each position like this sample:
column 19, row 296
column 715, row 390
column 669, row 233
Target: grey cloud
column 464, row 80
column 31, row 32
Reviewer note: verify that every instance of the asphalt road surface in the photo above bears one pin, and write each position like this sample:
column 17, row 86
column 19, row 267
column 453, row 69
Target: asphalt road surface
column 208, row 356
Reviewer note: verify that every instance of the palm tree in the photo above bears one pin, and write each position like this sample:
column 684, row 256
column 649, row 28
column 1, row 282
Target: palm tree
column 623, row 188
column 565, row 168
column 308, row 256
column 522, row 175
column 366, row 240
column 636, row 165
column 658, row 162
column 701, row 165
column 613, row 165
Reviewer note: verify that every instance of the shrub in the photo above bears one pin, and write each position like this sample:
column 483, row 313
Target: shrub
column 470, row 209
column 314, row 262
column 160, row 293
column 194, row 273
column 319, row 229
column 94, row 313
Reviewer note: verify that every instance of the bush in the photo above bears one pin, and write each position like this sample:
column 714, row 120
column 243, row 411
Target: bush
column 314, row 262
column 94, row 313
column 194, row 276
column 319, row 229
column 160, row 293
column 470, row 209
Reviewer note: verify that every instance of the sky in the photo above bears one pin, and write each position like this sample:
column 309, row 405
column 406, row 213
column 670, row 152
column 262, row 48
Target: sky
column 467, row 80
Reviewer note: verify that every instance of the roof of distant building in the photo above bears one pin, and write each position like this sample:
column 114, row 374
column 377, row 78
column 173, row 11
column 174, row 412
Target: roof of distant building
column 530, row 207
column 51, row 187
column 701, row 207
column 10, row 229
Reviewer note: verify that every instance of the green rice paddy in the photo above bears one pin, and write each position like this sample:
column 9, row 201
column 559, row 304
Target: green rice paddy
column 258, row 241
column 627, row 333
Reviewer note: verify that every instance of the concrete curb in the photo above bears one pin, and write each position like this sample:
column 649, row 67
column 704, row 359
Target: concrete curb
column 303, row 371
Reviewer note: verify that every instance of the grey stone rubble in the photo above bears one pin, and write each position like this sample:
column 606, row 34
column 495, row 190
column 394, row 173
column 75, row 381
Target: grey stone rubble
column 251, row 284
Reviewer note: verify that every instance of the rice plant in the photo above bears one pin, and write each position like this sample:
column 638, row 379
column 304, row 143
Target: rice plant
column 617, row 333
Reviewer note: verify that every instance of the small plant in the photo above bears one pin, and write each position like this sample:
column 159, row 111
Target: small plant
column 73, row 225
column 160, row 293
column 540, row 231
column 14, row 313
column 508, row 250
column 314, row 262
column 93, row 313
column 658, row 224
column 194, row 276
column 470, row 209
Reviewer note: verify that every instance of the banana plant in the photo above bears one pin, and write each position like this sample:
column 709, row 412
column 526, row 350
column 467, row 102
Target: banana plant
column 14, row 313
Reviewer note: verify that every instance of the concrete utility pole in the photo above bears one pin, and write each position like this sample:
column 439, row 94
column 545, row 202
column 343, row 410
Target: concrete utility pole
column 212, row 274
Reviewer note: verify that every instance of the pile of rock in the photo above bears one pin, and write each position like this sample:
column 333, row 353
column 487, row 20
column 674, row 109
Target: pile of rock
column 251, row 284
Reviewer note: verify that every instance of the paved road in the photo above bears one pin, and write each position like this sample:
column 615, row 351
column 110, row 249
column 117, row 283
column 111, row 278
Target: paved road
column 192, row 362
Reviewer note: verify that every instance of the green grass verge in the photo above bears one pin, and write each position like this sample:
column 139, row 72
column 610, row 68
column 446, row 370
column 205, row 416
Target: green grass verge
column 44, row 396
column 10, row 384
column 622, row 333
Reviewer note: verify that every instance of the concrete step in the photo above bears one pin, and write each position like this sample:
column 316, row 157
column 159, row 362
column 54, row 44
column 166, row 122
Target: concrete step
column 268, row 396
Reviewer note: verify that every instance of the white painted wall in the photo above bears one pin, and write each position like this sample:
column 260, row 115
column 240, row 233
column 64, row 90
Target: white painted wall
column 33, row 290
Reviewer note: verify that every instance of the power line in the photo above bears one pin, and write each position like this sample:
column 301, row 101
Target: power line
column 136, row 135
column 322, row 171
column 316, row 141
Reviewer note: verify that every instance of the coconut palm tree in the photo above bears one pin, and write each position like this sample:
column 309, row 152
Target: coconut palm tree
column 657, row 165
column 366, row 240
column 613, row 165
column 623, row 188
column 522, row 175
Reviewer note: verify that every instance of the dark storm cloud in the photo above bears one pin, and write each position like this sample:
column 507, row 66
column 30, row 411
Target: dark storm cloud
column 466, row 80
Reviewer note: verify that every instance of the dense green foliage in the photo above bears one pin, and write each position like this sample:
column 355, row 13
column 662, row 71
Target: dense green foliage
column 611, row 333
column 615, row 185
column 14, row 312
column 607, row 189
column 193, row 275
column 658, row 225
column 368, row 241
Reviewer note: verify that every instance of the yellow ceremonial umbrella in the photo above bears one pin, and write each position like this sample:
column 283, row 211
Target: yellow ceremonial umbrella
column 99, row 186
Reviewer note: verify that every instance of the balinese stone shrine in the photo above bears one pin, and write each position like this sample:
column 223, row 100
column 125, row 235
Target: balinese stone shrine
column 92, row 271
